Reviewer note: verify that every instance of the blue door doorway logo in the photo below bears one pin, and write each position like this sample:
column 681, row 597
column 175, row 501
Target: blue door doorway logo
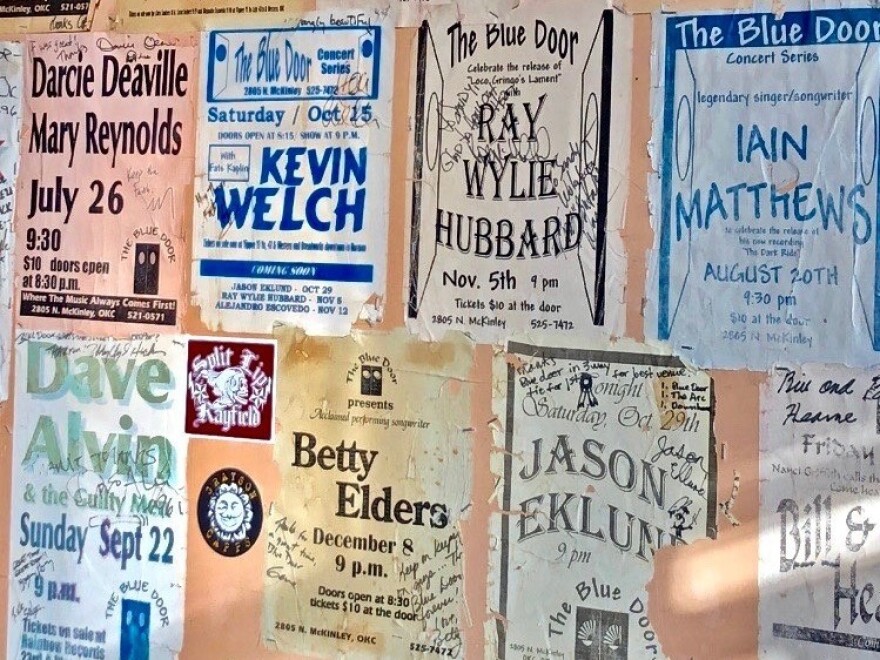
column 135, row 630
column 601, row 634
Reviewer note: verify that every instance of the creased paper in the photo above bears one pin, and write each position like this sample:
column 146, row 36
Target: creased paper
column 46, row 15
column 11, row 84
column 291, row 203
column 603, row 458
column 766, row 198
column 819, row 501
column 363, row 553
column 107, row 147
column 195, row 15
column 519, row 144
column 99, row 508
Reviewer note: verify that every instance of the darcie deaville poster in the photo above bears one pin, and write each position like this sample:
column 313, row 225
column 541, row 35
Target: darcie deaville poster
column 519, row 144
column 819, row 508
column 107, row 139
column 363, row 551
column 97, row 561
column 767, row 197
column 604, row 457
column 291, row 202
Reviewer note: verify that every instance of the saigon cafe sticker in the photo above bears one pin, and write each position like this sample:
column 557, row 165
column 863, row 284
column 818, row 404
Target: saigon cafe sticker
column 230, row 388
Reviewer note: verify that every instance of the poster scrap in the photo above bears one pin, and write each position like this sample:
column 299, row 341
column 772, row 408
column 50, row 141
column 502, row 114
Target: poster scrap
column 520, row 143
column 107, row 146
column 195, row 15
column 364, row 554
column 11, row 84
column 819, row 503
column 409, row 13
column 767, row 191
column 291, row 206
column 46, row 15
column 605, row 457
column 99, row 507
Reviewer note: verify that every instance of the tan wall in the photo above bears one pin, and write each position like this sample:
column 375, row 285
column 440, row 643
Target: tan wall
column 703, row 598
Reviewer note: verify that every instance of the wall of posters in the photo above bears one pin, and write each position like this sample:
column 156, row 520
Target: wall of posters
column 46, row 15
column 363, row 552
column 291, row 204
column 102, row 204
column 604, row 458
column 11, row 84
column 766, row 200
column 99, row 509
column 519, row 152
column 820, row 497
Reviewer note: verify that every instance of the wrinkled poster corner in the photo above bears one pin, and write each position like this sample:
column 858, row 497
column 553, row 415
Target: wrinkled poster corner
column 766, row 198
column 291, row 203
column 604, row 457
column 107, row 146
column 46, row 15
column 364, row 555
column 11, row 84
column 518, row 157
column 97, row 563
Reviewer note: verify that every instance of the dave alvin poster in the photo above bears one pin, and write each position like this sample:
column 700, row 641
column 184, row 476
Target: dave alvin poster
column 519, row 150
column 819, row 509
column 106, row 144
column 363, row 551
column 11, row 84
column 291, row 199
column 98, row 528
column 604, row 457
column 767, row 193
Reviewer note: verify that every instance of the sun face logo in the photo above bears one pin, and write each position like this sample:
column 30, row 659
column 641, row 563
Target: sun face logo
column 231, row 389
column 230, row 512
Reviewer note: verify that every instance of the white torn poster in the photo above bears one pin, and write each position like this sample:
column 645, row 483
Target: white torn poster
column 291, row 193
column 364, row 557
column 604, row 457
column 97, row 562
column 519, row 153
column 819, row 508
column 10, row 110
column 767, row 192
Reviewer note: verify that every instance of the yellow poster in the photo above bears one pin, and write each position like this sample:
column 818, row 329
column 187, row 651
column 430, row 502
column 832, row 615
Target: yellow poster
column 364, row 555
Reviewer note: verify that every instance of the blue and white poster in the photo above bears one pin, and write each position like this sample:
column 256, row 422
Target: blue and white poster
column 291, row 192
column 97, row 561
column 765, row 204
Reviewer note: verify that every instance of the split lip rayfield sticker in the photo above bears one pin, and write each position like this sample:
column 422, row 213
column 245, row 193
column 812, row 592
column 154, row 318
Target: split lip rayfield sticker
column 230, row 512
column 231, row 388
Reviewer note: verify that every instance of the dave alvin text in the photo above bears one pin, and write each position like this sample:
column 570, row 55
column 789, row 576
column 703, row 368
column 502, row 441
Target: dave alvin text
column 354, row 498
